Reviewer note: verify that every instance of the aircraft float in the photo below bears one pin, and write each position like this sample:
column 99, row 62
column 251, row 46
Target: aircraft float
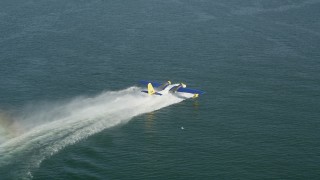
column 155, row 88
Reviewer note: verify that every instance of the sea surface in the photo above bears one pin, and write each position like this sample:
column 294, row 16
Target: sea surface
column 71, row 106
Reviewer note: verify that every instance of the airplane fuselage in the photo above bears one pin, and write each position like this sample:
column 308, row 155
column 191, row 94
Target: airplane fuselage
column 155, row 88
column 169, row 88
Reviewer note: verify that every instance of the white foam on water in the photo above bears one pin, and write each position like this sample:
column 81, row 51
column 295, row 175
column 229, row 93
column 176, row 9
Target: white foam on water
column 56, row 126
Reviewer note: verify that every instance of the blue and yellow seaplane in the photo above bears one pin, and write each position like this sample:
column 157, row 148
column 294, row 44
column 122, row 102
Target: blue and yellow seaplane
column 155, row 88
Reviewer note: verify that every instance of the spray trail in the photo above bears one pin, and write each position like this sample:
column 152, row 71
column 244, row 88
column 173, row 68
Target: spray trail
column 66, row 124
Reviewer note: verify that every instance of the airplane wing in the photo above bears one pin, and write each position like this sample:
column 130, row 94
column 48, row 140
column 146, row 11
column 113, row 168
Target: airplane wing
column 154, row 84
column 192, row 91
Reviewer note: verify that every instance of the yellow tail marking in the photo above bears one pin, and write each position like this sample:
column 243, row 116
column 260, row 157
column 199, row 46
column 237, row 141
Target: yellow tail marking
column 150, row 89
column 195, row 95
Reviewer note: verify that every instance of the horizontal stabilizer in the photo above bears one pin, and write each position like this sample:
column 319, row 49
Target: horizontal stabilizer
column 192, row 91
column 156, row 93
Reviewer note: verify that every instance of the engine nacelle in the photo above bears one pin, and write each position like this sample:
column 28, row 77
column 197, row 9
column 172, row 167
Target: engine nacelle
column 183, row 85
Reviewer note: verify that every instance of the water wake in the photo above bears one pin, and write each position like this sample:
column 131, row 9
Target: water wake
column 64, row 124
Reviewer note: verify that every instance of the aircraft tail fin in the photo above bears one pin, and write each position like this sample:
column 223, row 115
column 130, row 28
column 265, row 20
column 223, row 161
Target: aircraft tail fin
column 151, row 89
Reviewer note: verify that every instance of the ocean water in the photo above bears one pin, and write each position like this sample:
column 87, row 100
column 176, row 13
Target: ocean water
column 71, row 107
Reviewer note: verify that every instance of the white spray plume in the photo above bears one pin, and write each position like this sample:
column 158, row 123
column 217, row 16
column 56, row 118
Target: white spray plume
column 57, row 126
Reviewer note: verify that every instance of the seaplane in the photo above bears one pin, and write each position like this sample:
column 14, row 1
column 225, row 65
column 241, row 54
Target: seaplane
column 155, row 88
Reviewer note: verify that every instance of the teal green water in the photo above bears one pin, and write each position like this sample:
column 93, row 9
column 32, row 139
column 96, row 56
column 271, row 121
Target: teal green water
column 70, row 106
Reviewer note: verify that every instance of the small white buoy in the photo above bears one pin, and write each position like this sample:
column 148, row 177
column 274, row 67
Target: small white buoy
column 182, row 127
